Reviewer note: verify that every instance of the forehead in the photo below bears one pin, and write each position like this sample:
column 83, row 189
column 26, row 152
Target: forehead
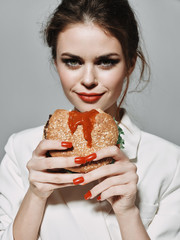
column 78, row 38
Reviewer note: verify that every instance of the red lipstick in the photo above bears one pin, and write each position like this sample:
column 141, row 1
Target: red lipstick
column 90, row 97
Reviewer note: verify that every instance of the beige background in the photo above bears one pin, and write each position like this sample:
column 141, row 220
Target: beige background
column 29, row 86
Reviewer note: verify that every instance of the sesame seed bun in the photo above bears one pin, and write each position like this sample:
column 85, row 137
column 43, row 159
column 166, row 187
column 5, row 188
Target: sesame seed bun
column 104, row 134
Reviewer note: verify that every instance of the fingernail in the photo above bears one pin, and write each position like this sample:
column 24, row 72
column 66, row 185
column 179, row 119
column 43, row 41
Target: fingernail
column 78, row 180
column 87, row 195
column 66, row 144
column 80, row 160
column 91, row 157
column 99, row 198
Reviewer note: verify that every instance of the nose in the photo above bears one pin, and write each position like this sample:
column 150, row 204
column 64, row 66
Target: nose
column 89, row 77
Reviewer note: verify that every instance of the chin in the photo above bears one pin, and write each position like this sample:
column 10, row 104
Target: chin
column 88, row 107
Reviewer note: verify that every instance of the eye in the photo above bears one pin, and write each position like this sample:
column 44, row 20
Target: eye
column 72, row 62
column 107, row 63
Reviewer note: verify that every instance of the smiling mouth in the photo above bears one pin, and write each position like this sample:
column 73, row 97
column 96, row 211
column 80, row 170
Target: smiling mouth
column 90, row 97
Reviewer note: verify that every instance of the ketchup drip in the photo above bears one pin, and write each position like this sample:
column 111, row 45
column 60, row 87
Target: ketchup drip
column 86, row 119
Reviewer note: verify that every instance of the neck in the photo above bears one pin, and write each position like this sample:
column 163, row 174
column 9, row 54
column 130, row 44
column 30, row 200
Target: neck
column 112, row 110
column 115, row 112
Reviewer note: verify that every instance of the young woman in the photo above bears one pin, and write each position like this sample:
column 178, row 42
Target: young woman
column 95, row 46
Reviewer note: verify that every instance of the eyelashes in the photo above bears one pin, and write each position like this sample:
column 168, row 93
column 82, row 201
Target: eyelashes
column 105, row 63
column 71, row 62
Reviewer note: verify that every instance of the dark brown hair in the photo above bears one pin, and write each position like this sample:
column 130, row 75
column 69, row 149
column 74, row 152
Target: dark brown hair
column 114, row 16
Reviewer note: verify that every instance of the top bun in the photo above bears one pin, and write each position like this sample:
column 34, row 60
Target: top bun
column 104, row 133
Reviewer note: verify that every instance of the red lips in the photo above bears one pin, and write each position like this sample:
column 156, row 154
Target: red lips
column 89, row 97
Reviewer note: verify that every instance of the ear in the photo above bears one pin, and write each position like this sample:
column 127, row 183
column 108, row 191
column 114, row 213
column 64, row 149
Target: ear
column 133, row 64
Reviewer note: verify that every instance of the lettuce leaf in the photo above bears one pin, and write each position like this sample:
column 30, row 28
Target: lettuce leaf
column 120, row 140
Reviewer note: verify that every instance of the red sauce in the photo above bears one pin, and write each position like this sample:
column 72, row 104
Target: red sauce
column 86, row 119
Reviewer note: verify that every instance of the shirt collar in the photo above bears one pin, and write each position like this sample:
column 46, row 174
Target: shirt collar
column 132, row 136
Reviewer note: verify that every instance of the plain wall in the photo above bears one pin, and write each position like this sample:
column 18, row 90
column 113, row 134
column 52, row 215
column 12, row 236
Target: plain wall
column 30, row 88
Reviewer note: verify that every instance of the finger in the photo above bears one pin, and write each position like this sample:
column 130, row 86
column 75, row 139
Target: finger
column 127, row 191
column 54, row 178
column 46, row 187
column 110, row 170
column 114, row 181
column 46, row 145
column 41, row 164
column 111, row 151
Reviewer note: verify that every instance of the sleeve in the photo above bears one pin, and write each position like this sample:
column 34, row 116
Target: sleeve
column 166, row 223
column 11, row 191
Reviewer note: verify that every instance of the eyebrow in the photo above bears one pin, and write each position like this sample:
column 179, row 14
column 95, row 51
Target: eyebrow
column 100, row 57
column 69, row 55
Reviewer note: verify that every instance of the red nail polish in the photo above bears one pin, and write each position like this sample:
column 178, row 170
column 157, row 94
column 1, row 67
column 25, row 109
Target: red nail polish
column 66, row 144
column 99, row 198
column 80, row 160
column 87, row 195
column 91, row 157
column 78, row 180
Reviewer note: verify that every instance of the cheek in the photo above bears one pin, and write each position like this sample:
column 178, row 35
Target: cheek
column 114, row 80
column 66, row 77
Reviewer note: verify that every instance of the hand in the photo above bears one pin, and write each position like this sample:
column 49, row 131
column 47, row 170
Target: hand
column 118, row 181
column 42, row 182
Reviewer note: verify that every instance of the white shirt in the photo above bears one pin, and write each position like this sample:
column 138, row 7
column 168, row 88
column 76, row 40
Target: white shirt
column 69, row 216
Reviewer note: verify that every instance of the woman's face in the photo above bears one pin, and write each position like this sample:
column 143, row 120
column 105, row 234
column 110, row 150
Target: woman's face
column 91, row 67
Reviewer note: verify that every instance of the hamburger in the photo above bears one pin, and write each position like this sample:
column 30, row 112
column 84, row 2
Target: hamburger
column 88, row 131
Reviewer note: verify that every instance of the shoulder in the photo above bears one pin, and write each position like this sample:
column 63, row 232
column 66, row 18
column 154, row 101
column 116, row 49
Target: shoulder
column 142, row 145
column 154, row 151
column 29, row 136
column 152, row 144
column 23, row 143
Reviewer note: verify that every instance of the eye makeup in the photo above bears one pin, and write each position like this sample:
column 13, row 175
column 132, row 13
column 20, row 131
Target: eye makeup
column 105, row 61
column 72, row 62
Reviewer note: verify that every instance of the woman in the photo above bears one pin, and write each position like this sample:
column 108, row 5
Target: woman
column 95, row 46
